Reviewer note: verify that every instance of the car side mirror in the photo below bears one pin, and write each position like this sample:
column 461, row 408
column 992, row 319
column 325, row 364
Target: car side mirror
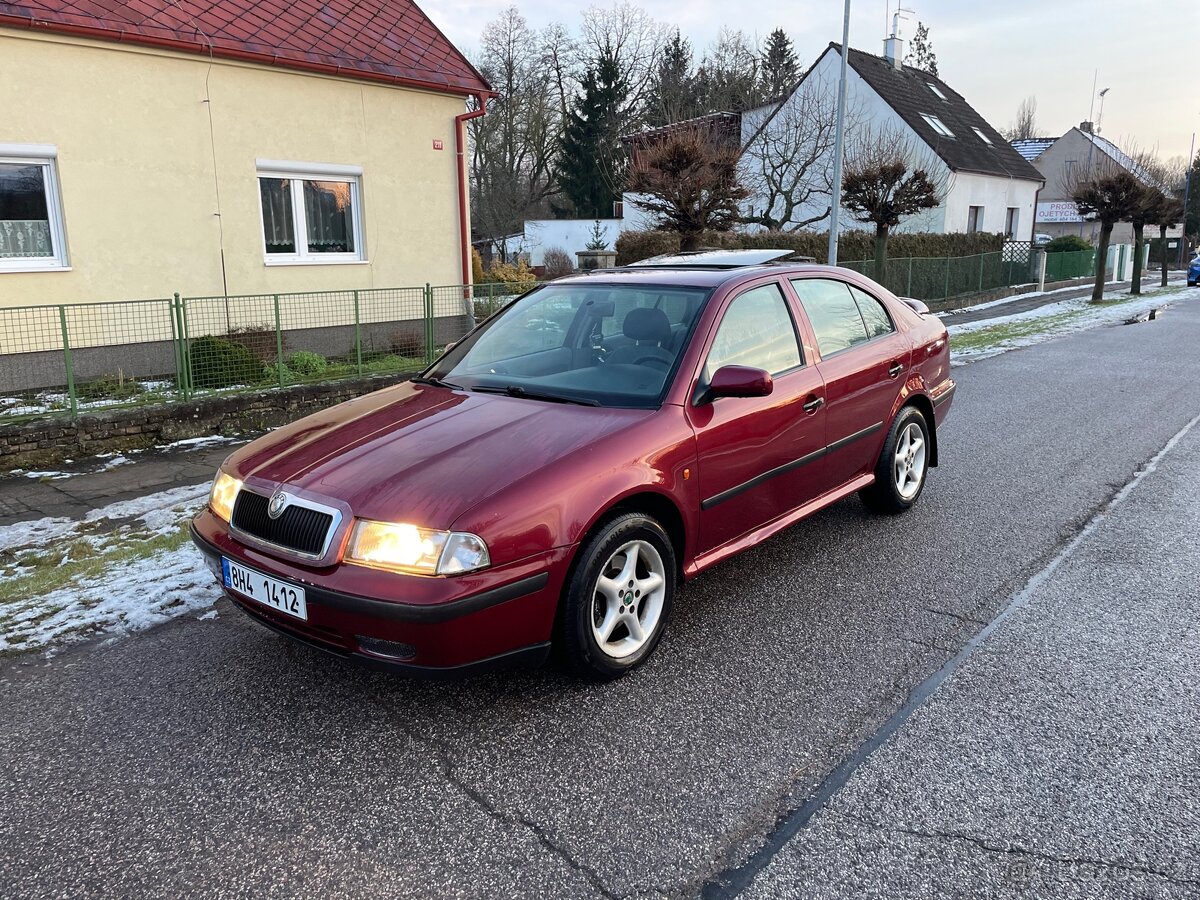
column 740, row 381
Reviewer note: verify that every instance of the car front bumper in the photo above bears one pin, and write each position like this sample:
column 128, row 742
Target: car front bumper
column 421, row 625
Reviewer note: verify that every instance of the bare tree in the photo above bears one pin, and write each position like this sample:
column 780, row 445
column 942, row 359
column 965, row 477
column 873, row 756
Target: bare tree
column 788, row 159
column 728, row 78
column 627, row 34
column 560, row 57
column 1110, row 193
column 1025, row 126
column 689, row 183
column 887, row 178
column 1166, row 209
column 513, row 146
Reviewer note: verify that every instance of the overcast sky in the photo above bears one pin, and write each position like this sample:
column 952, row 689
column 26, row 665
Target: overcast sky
column 994, row 54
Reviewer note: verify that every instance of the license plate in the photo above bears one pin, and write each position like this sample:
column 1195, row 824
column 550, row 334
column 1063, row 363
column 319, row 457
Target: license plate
column 279, row 595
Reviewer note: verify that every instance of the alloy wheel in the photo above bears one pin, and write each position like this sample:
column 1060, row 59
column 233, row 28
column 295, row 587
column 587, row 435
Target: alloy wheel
column 627, row 601
column 909, row 462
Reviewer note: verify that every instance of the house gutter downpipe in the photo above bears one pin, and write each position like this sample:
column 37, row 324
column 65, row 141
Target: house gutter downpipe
column 839, row 141
column 460, row 142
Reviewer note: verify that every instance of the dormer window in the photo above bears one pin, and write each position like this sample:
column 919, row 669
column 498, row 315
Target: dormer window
column 983, row 137
column 933, row 87
column 937, row 125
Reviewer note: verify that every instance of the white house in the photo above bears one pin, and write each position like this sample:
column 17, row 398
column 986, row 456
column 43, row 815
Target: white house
column 991, row 187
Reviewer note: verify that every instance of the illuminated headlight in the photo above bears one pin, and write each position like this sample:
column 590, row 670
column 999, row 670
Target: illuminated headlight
column 224, row 491
column 400, row 547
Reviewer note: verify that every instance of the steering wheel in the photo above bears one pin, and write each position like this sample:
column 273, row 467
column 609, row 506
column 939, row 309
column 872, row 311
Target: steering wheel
column 657, row 360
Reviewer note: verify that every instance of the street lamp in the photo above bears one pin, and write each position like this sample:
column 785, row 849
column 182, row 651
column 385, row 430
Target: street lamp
column 838, row 145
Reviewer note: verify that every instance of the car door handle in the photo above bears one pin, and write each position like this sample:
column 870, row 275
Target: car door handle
column 811, row 406
column 895, row 369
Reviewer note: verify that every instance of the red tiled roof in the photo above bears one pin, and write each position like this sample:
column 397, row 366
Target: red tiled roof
column 391, row 41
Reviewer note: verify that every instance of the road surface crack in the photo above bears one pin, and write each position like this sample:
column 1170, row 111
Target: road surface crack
column 512, row 819
column 1014, row 850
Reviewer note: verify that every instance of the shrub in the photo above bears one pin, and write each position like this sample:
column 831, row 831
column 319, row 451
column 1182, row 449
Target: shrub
column 259, row 340
column 557, row 263
column 853, row 246
column 408, row 341
column 517, row 273
column 1068, row 243
column 217, row 363
column 476, row 266
column 306, row 364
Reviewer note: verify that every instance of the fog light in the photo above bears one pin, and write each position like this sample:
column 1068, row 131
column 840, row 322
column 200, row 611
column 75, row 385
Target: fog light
column 387, row 649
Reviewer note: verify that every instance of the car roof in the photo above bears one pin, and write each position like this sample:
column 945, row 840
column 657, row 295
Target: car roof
column 687, row 276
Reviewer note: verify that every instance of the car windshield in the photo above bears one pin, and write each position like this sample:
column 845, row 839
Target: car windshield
column 592, row 343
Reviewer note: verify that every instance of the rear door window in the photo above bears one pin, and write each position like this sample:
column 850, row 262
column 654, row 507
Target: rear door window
column 835, row 319
column 875, row 317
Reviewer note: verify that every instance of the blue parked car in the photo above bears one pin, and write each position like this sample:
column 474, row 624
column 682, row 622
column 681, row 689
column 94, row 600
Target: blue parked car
column 1194, row 272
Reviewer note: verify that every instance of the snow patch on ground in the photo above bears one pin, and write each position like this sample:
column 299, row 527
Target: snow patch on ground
column 144, row 593
column 137, row 594
column 1064, row 317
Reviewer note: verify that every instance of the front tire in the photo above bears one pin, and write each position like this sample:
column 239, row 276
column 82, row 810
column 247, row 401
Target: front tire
column 618, row 599
column 903, row 465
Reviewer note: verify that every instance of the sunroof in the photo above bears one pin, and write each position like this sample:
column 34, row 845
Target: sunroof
column 712, row 259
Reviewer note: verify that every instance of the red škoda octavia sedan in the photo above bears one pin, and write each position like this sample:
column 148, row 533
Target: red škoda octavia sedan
column 553, row 476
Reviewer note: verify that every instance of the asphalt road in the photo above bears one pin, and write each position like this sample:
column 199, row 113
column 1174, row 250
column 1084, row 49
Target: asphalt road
column 217, row 758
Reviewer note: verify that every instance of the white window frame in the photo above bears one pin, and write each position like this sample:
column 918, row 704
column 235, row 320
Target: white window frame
column 983, row 137
column 933, row 87
column 937, row 125
column 976, row 226
column 1012, row 221
column 45, row 156
column 297, row 173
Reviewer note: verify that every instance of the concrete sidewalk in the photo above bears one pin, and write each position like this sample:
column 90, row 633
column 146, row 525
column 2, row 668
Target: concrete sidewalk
column 91, row 484
column 1061, row 758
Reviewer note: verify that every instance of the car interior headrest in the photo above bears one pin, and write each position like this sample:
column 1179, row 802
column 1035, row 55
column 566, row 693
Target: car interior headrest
column 647, row 324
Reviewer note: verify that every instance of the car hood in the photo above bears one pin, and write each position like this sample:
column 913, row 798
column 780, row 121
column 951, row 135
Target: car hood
column 424, row 454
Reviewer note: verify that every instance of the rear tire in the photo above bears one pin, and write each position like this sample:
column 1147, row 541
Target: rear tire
column 618, row 599
column 902, row 467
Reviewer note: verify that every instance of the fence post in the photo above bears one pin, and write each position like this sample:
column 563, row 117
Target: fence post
column 910, row 262
column 188, row 383
column 981, row 258
column 357, row 335
column 278, row 343
column 62, row 320
column 428, row 324
column 946, row 289
column 175, row 342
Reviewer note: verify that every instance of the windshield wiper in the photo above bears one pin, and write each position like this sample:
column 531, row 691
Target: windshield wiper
column 516, row 390
column 436, row 382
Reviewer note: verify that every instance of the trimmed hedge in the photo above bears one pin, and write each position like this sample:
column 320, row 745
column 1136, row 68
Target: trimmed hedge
column 1068, row 243
column 852, row 246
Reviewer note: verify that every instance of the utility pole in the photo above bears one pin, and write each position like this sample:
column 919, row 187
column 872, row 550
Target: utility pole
column 839, row 141
column 1187, row 185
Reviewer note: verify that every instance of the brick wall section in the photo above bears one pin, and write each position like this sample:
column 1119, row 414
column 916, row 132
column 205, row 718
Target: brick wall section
column 50, row 441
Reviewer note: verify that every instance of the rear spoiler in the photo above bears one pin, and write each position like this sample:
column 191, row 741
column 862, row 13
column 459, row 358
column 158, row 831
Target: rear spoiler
column 916, row 306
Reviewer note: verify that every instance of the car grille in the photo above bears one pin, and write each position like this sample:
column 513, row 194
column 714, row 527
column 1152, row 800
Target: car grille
column 299, row 528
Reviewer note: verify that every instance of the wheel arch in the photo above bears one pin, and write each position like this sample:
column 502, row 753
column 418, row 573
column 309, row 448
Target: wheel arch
column 922, row 403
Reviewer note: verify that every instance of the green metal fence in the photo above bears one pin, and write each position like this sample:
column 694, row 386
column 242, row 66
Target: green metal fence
column 940, row 278
column 77, row 358
column 1076, row 264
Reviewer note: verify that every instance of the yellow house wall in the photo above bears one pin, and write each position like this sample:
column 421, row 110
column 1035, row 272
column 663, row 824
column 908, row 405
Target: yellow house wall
column 156, row 165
